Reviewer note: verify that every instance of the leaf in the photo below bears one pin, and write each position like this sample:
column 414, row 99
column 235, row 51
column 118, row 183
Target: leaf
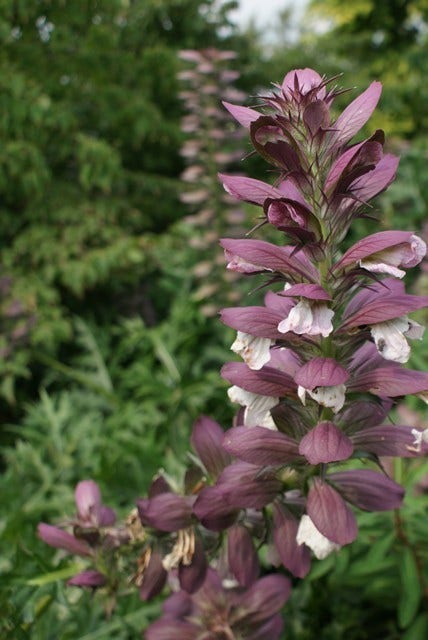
column 54, row 576
column 410, row 596
column 419, row 628
column 136, row 618
column 365, row 569
column 379, row 549
column 321, row 567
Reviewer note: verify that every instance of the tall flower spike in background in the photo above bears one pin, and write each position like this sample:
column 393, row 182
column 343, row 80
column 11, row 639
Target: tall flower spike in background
column 211, row 146
column 322, row 366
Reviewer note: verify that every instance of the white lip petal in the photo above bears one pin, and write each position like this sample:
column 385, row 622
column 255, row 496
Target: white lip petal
column 257, row 407
column 257, row 413
column 322, row 324
column 332, row 397
column 310, row 318
column 308, row 534
column 390, row 337
column 390, row 341
column 299, row 320
column 236, row 394
column 415, row 330
column 420, row 437
column 377, row 266
column 301, row 392
column 254, row 351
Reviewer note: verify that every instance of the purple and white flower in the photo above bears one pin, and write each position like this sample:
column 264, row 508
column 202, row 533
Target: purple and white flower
column 255, row 351
column 385, row 252
column 257, row 407
column 323, row 379
column 309, row 535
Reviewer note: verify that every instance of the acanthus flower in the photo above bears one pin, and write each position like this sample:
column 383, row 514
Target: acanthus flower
column 255, row 351
column 385, row 252
column 390, row 337
column 260, row 321
column 383, row 307
column 257, row 407
column 307, row 534
column 217, row 610
column 93, row 533
column 323, row 380
column 310, row 315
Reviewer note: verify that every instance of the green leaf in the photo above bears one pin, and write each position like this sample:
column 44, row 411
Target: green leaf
column 54, row 576
column 379, row 549
column 410, row 596
column 137, row 618
column 322, row 567
column 419, row 628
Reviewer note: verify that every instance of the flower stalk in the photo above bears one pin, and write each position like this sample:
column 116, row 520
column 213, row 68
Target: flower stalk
column 211, row 145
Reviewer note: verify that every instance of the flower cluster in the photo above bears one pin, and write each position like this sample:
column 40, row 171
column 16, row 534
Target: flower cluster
column 217, row 611
column 322, row 366
column 93, row 536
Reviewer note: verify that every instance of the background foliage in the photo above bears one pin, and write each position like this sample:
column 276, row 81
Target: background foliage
column 106, row 357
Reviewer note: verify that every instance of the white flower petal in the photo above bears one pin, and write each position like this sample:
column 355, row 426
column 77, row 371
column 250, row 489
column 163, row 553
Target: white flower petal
column 420, row 437
column 333, row 397
column 301, row 392
column 299, row 320
column 322, row 324
column 257, row 413
column 375, row 265
column 415, row 330
column 314, row 319
column 389, row 337
column 254, row 351
column 308, row 534
column 257, row 407
column 236, row 394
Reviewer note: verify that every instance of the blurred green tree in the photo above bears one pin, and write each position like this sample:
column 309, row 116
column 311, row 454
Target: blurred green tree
column 385, row 39
column 89, row 153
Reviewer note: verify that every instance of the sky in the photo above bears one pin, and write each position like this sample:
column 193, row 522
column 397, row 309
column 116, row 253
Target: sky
column 263, row 11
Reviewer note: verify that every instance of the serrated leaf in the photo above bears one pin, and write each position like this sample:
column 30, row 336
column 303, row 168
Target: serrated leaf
column 410, row 596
